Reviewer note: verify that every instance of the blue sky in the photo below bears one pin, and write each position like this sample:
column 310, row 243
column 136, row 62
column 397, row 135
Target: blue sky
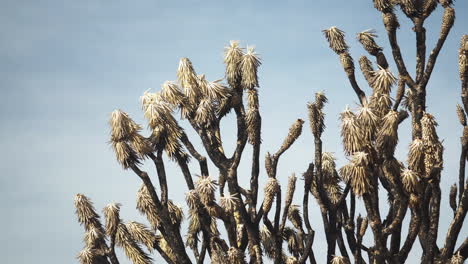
column 65, row 65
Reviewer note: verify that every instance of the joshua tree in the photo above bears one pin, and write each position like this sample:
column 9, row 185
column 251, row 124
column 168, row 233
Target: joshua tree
column 369, row 138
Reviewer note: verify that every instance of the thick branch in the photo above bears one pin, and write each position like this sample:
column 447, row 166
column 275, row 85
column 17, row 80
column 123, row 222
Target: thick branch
column 446, row 27
column 201, row 159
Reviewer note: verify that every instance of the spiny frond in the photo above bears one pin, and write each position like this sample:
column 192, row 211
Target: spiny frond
column 414, row 201
column 328, row 162
column 366, row 38
column 194, row 222
column 232, row 58
column 122, row 126
column 206, row 187
column 175, row 213
column 461, row 115
column 141, row 234
column 457, row 258
column 445, row 3
column 333, row 190
column 155, row 109
column 229, row 202
column 463, row 57
column 416, row 155
column 292, row 260
column 316, row 119
column 189, row 80
column 217, row 91
column 192, row 199
column 368, row 122
column 366, row 68
column 410, row 180
column 86, row 213
column 249, row 64
column 351, row 135
column 141, row 145
column 146, row 206
column 172, row 93
column 392, row 169
column 408, row 7
column 271, row 188
column 268, row 242
column 205, row 114
column 409, row 99
column 125, row 155
column 320, row 100
column 357, row 174
column 429, row 6
column 294, row 216
column 390, row 20
column 253, row 119
column 111, row 214
column 290, row 189
column 87, row 256
column 133, row 251
column 165, row 246
column 433, row 147
column 387, row 137
column 294, row 244
column 447, row 20
column 383, row 81
column 94, row 238
column 380, row 104
column 236, row 256
column 360, row 158
column 294, row 132
column 335, row 38
column 347, row 63
column 429, row 124
column 340, row 260
column 383, row 5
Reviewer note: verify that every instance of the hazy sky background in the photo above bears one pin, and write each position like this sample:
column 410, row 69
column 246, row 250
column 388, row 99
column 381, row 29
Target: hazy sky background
column 65, row 65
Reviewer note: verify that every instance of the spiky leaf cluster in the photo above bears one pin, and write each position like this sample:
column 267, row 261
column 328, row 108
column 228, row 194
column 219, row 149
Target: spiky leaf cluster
column 447, row 20
column 129, row 146
column 131, row 248
column 166, row 132
column 340, row 260
column 232, row 58
column 387, row 136
column 316, row 115
column 335, row 38
column 249, row 65
column 432, row 146
column 188, row 79
column 229, row 202
column 383, row 5
column 463, row 58
column 366, row 38
column 294, row 216
column 205, row 187
column 95, row 242
column 294, row 132
column 111, row 214
column 410, row 180
column 366, row 68
column 357, row 174
column 253, row 119
column 353, row 138
column 271, row 188
column 141, row 234
column 146, row 206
